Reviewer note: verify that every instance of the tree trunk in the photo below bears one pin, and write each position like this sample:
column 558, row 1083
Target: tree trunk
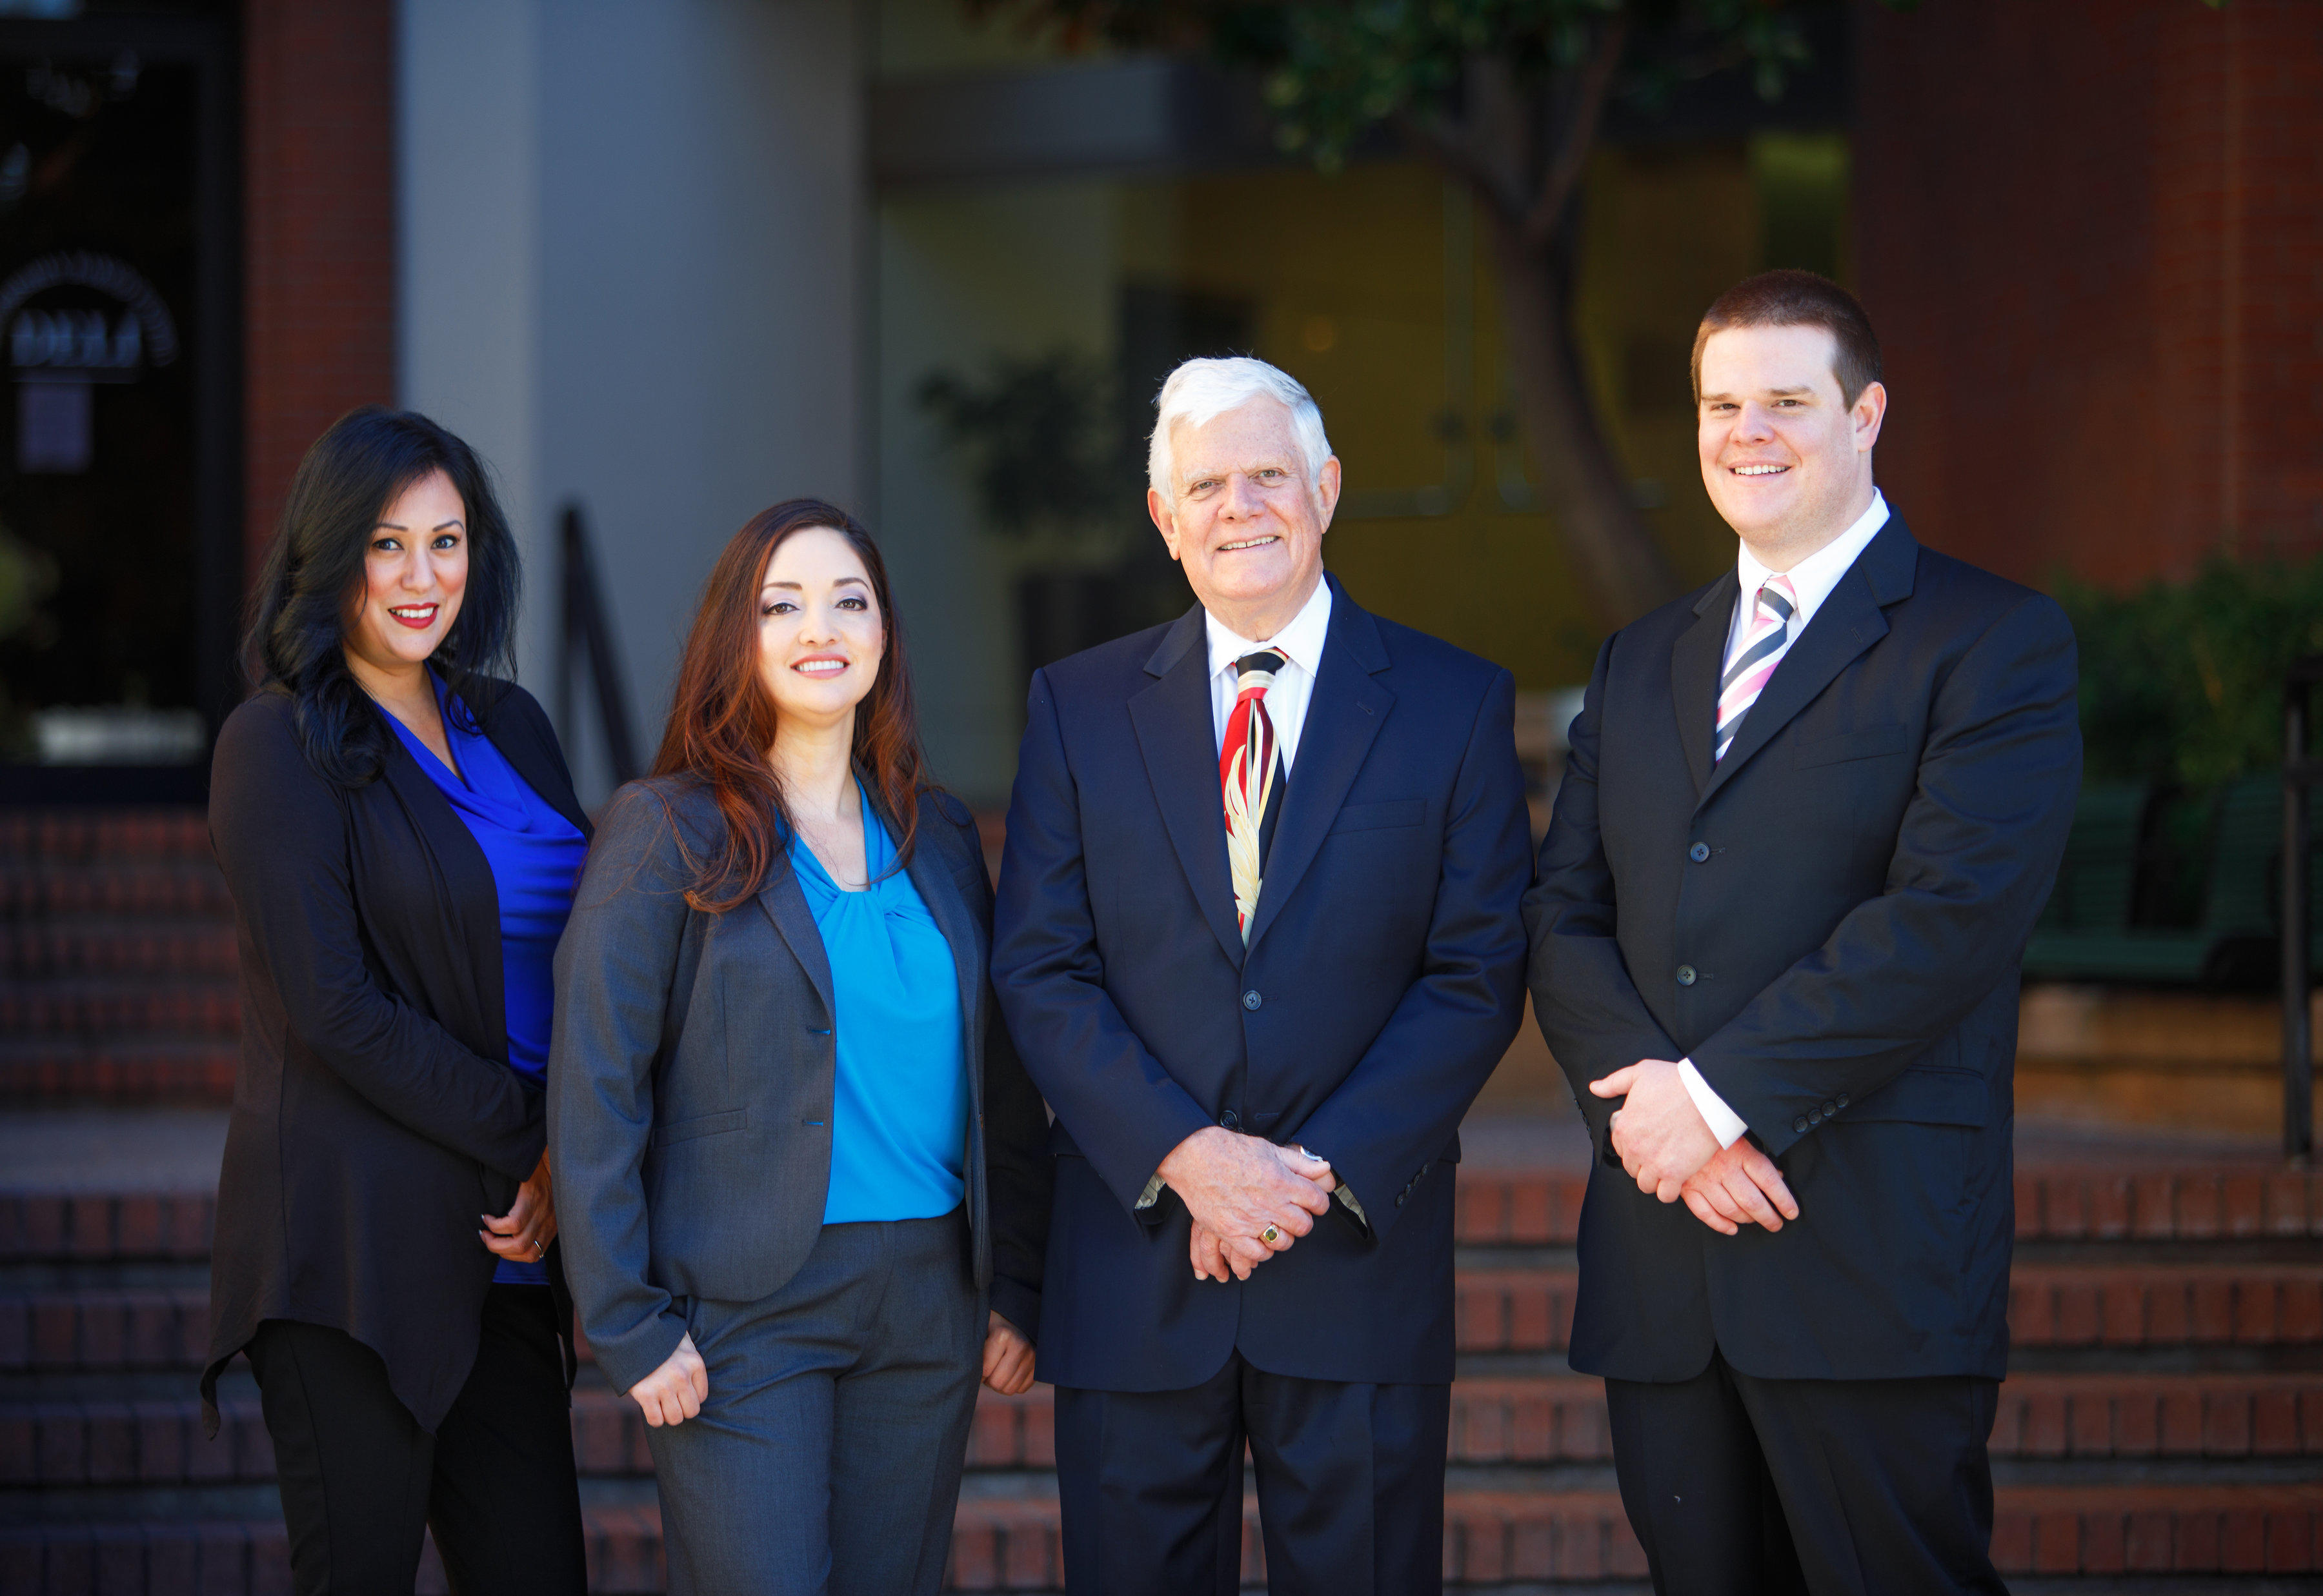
column 1583, row 486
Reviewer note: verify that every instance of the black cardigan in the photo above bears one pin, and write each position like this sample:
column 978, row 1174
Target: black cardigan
column 375, row 1118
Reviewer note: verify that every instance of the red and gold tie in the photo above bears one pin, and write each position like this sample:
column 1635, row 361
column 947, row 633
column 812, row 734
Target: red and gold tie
column 1250, row 773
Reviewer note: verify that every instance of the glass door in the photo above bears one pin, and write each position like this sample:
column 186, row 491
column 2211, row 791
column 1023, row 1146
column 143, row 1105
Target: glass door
column 120, row 579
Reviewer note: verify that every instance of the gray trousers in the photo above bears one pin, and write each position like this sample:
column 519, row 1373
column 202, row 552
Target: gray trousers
column 827, row 1461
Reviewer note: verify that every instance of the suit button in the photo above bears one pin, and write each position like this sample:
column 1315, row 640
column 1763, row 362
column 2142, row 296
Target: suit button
column 1230, row 1120
column 1842, row 1099
column 1686, row 975
column 1400, row 1196
column 1815, row 1116
column 1698, row 852
column 1829, row 1109
column 1799, row 1124
column 1251, row 1000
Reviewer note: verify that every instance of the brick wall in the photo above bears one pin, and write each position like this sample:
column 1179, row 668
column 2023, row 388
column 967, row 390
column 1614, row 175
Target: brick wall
column 320, row 230
column 2091, row 234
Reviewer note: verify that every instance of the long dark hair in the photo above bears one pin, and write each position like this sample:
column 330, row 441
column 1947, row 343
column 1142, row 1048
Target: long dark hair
column 721, row 717
column 298, row 625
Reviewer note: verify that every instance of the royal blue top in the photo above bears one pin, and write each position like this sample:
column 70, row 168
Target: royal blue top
column 899, row 1124
column 534, row 854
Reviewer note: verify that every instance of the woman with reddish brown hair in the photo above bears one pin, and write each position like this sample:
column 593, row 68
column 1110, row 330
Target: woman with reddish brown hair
column 801, row 1179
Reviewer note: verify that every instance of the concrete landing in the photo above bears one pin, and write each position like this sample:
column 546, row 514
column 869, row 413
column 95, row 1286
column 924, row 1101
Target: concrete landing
column 113, row 1150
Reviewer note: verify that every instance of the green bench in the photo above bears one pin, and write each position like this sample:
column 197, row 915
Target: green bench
column 2090, row 929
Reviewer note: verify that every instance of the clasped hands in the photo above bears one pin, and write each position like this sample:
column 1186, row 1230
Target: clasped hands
column 522, row 1235
column 1238, row 1187
column 1668, row 1150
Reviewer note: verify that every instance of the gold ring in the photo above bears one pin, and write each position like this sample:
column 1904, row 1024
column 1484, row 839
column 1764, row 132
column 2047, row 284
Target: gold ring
column 1270, row 1236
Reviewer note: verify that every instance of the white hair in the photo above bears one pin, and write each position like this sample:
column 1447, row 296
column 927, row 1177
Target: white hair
column 1201, row 390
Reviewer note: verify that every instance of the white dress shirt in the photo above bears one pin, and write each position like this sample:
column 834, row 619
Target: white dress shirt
column 1812, row 581
column 1300, row 644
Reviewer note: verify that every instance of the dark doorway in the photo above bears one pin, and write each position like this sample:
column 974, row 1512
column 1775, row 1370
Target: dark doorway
column 120, row 554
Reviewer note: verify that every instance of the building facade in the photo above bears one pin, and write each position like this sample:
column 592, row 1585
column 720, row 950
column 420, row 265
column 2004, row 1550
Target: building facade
column 666, row 265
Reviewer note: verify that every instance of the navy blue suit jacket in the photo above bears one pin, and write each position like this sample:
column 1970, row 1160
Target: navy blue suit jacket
column 1829, row 922
column 1382, row 981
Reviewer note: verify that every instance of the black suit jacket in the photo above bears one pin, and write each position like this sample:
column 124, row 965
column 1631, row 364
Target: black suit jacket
column 1829, row 923
column 1382, row 982
column 692, row 1075
column 375, row 1116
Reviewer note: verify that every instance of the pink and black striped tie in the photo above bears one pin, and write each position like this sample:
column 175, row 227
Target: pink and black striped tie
column 1762, row 650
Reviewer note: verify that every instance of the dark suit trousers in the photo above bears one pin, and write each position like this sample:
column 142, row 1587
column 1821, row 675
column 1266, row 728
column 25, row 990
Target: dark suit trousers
column 827, row 1459
column 361, row 1482
column 1740, row 1486
column 1350, row 1486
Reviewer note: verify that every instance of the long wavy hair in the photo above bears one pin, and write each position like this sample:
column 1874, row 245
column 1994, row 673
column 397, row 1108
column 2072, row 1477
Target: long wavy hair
column 723, row 717
column 314, row 573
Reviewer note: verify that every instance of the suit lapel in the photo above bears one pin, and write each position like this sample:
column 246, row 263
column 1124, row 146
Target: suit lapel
column 785, row 906
column 931, row 871
column 1696, row 661
column 1175, row 733
column 1345, row 711
column 519, row 744
column 476, row 898
column 1850, row 621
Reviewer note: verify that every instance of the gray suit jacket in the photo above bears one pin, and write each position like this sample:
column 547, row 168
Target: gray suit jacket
column 690, row 1080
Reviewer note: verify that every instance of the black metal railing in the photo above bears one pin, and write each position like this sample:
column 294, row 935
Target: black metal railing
column 589, row 628
column 2301, row 773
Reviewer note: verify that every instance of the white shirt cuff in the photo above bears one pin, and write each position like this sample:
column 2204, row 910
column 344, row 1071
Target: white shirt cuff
column 1723, row 1121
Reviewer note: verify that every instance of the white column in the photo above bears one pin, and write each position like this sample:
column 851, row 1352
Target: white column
column 632, row 253
column 468, row 258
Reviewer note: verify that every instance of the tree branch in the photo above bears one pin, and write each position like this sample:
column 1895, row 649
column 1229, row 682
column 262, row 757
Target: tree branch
column 1580, row 133
column 1455, row 151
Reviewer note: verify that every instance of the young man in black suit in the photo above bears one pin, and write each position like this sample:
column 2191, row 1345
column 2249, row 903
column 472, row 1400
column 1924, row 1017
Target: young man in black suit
column 1810, row 815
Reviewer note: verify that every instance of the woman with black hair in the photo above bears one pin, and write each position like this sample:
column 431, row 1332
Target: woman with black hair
column 400, row 835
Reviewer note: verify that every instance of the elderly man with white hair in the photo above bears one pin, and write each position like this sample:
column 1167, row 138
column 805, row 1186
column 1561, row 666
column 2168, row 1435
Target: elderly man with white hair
column 1258, row 942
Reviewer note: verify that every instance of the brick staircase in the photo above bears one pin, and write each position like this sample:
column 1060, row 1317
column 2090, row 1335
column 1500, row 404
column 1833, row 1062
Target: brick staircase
column 2162, row 1431
column 116, row 959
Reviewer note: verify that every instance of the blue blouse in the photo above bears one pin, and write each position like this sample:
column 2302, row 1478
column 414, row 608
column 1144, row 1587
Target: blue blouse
column 899, row 1113
column 534, row 854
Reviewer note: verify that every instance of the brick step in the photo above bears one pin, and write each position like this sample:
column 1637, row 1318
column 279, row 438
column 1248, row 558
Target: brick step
column 1496, row 1207
column 2166, row 1306
column 63, row 1329
column 145, row 949
column 53, row 834
column 1501, row 1207
column 1531, row 1310
column 1491, row 1539
column 126, row 1071
column 1498, row 1311
column 1561, row 1418
column 1583, row 1539
column 2137, row 1416
column 189, row 888
column 1552, row 1419
column 109, row 1008
column 105, row 1228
